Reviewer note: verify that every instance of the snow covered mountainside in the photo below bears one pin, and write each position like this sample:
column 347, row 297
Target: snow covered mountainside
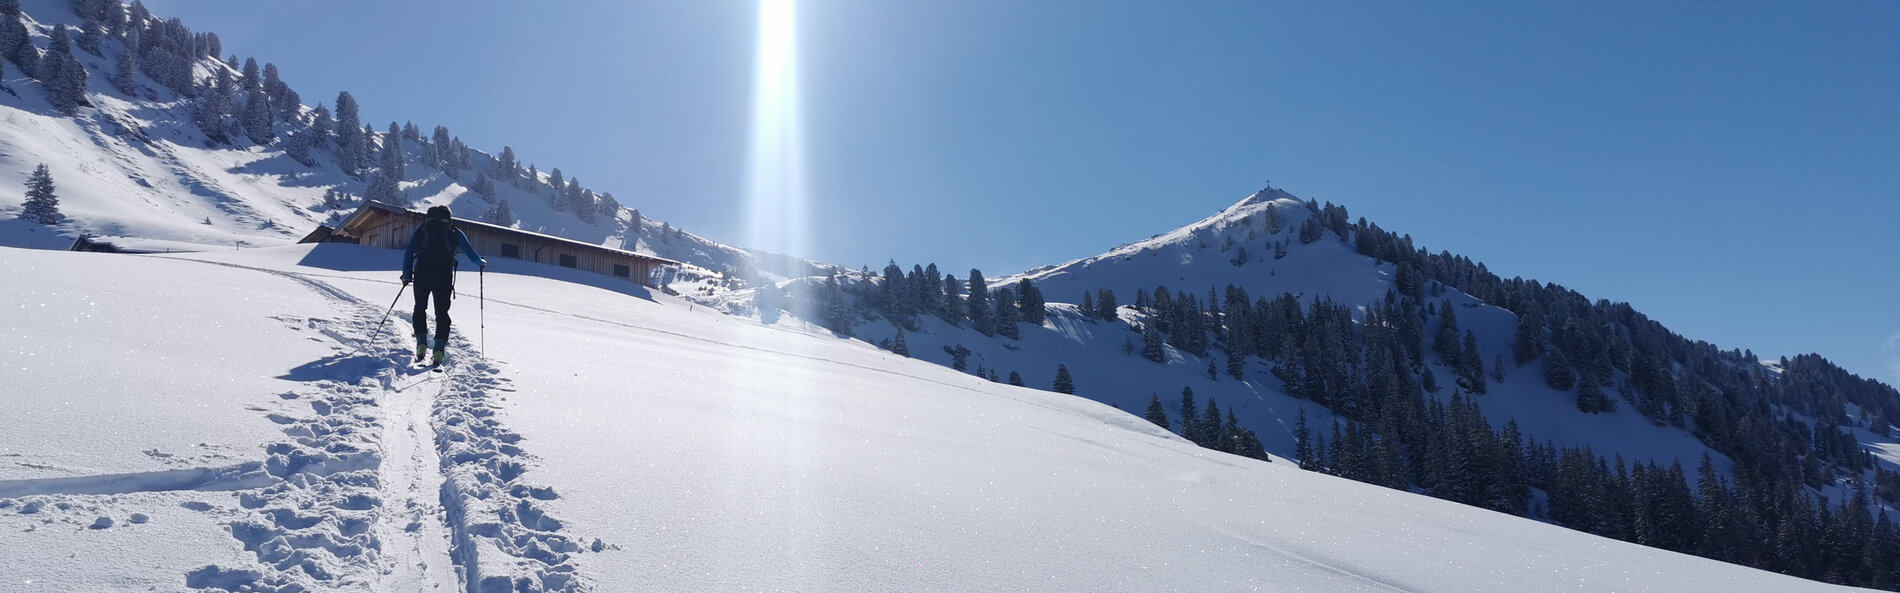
column 232, row 421
column 774, row 447
column 138, row 169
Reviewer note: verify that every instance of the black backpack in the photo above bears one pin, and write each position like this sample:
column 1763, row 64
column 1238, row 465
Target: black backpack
column 438, row 243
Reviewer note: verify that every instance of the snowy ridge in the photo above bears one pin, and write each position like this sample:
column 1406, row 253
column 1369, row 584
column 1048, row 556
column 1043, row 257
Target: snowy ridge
column 137, row 172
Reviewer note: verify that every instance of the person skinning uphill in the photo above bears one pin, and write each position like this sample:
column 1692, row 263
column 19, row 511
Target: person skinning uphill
column 430, row 263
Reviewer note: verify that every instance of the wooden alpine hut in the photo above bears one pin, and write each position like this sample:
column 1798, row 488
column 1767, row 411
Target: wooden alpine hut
column 377, row 224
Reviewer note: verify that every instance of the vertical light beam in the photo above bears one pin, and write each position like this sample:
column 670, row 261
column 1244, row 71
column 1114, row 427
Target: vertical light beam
column 776, row 188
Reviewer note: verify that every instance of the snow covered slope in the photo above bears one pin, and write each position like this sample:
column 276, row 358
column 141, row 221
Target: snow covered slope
column 621, row 440
column 1203, row 256
column 136, row 171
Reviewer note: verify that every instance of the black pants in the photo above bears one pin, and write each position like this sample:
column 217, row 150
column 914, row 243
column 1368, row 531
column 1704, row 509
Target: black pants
column 438, row 281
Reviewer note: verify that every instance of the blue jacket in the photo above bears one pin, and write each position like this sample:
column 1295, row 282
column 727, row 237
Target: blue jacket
column 415, row 243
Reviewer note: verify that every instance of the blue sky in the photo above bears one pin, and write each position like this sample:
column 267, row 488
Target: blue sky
column 1731, row 168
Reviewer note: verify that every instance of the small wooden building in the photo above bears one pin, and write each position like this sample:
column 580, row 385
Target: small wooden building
column 382, row 225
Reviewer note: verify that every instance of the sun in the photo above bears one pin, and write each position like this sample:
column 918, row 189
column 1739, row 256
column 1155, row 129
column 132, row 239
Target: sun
column 776, row 184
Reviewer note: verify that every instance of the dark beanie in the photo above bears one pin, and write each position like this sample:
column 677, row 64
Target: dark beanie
column 439, row 212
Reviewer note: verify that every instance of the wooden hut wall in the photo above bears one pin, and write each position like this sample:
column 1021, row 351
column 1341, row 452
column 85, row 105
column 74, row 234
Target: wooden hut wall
column 389, row 230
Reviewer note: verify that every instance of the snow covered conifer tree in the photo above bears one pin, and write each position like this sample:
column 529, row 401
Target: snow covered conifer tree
column 1151, row 342
column 1156, row 413
column 213, row 104
column 898, row 346
column 62, row 74
column 383, row 188
column 505, row 165
column 1063, row 383
column 951, row 309
column 90, row 34
column 609, row 207
column 297, row 147
column 349, row 134
column 125, row 76
column 42, row 205
column 534, row 181
column 251, row 80
column 365, row 157
column 583, row 201
column 322, row 127
column 502, row 214
column 1189, row 428
column 441, row 140
column 981, row 317
column 1005, row 317
column 837, row 314
column 392, row 162
column 1029, row 300
column 257, row 119
column 15, row 44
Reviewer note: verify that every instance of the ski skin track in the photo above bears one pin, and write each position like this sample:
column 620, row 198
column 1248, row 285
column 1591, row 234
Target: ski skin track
column 434, row 545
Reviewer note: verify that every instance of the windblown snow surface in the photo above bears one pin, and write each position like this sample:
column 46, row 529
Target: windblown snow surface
column 234, row 421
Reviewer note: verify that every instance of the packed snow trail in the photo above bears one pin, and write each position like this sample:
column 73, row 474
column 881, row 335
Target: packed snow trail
column 447, row 483
column 382, row 479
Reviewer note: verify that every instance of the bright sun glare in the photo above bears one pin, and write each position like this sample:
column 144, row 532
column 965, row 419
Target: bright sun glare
column 776, row 184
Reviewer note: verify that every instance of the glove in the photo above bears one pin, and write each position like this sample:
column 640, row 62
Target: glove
column 405, row 279
column 484, row 264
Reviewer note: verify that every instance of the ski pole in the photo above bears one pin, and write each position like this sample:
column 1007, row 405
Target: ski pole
column 392, row 309
column 481, row 296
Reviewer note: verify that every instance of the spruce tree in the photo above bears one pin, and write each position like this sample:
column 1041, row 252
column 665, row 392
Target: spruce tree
column 297, row 147
column 392, row 161
column 981, row 315
column 837, row 313
column 1030, row 302
column 258, row 126
column 125, row 72
column 1151, row 342
column 17, row 45
column 62, row 74
column 1189, row 429
column 1015, row 379
column 349, row 134
column 1557, row 371
column 42, row 204
column 1446, row 339
column 1156, row 413
column 1473, row 362
column 1063, row 383
column 502, row 214
column 1303, row 442
column 505, row 165
column 951, row 309
column 1213, row 434
column 322, row 127
column 250, row 79
column 898, row 346
column 383, row 187
column 1006, row 312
